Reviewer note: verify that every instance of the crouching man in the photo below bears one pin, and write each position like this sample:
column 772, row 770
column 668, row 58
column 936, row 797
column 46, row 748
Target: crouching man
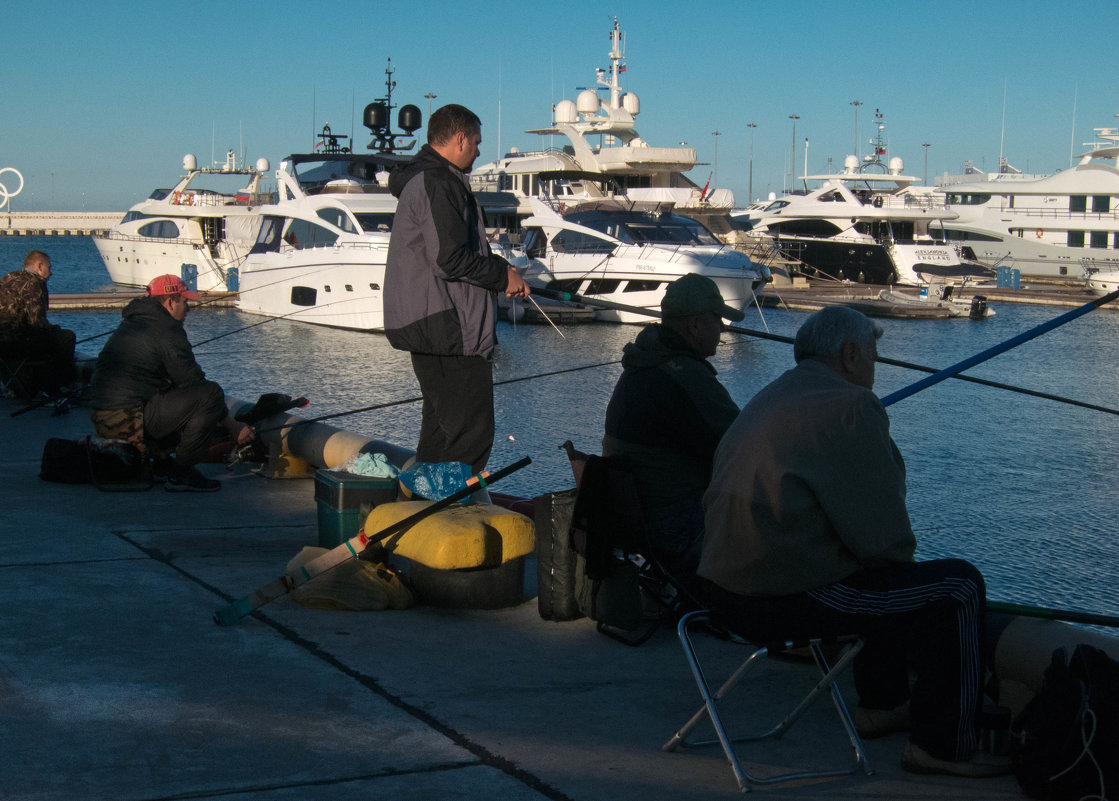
column 148, row 389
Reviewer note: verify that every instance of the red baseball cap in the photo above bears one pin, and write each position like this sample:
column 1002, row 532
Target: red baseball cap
column 171, row 285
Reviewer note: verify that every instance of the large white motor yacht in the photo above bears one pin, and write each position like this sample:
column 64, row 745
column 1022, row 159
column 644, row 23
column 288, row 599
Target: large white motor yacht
column 628, row 252
column 1062, row 226
column 867, row 224
column 320, row 256
column 200, row 229
column 867, row 228
column 604, row 156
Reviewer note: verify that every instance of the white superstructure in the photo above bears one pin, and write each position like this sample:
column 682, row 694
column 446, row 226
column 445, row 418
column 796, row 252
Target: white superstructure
column 603, row 155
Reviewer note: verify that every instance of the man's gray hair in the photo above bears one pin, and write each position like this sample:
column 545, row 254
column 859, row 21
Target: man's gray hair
column 824, row 333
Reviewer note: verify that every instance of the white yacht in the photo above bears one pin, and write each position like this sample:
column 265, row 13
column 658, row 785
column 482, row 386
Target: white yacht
column 867, row 228
column 628, row 252
column 866, row 224
column 603, row 156
column 320, row 256
column 1062, row 226
column 200, row 229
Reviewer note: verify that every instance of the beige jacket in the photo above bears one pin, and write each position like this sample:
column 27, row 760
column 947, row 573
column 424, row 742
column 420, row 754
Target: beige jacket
column 807, row 487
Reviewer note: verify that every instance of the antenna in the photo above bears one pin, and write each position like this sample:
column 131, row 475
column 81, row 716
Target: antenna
column 1002, row 134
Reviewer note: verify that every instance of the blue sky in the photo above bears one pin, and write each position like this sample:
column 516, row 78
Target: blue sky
column 100, row 100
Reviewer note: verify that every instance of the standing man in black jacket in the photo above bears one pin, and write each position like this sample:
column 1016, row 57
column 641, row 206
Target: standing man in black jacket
column 441, row 285
column 147, row 387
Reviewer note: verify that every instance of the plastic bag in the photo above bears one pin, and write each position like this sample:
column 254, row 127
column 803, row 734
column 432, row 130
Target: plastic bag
column 434, row 481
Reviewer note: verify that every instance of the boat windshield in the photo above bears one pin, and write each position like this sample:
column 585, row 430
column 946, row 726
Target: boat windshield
column 644, row 228
column 349, row 173
column 375, row 222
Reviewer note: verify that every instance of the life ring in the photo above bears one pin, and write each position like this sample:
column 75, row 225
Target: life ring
column 1039, row 233
column 189, row 199
column 175, row 199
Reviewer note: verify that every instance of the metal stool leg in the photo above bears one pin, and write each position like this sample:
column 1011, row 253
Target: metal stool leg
column 829, row 674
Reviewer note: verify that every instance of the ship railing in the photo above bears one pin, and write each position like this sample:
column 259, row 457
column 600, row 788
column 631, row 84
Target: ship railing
column 1062, row 214
column 180, row 240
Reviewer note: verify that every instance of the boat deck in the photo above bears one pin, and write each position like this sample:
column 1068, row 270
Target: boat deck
column 116, row 684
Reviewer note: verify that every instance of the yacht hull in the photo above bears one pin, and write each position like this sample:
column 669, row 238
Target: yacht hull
column 336, row 287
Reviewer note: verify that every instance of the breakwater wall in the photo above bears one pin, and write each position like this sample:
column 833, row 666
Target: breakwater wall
column 57, row 223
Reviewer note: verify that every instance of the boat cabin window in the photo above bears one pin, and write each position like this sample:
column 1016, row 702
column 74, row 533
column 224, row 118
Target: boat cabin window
column 1098, row 239
column 642, row 286
column 963, row 199
column 1077, row 203
column 1101, row 204
column 338, row 218
column 268, row 240
column 777, row 205
column 817, row 228
column 301, row 234
column 375, row 222
column 535, row 243
column 135, row 215
column 579, row 242
column 160, row 229
column 1076, row 239
column 602, row 286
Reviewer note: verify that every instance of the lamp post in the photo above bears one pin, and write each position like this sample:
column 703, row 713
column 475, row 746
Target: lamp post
column 430, row 96
column 716, row 133
column 793, row 175
column 856, row 104
column 926, row 146
column 750, row 191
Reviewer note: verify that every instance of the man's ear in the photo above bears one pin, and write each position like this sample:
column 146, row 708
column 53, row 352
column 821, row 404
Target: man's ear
column 849, row 356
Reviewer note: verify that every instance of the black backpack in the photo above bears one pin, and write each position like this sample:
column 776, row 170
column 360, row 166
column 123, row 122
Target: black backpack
column 1067, row 737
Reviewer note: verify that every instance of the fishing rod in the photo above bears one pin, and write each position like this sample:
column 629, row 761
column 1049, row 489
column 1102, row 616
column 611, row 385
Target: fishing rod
column 1002, row 347
column 1067, row 615
column 952, row 372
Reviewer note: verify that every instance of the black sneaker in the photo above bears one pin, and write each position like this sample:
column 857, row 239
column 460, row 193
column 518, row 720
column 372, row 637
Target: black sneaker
column 191, row 481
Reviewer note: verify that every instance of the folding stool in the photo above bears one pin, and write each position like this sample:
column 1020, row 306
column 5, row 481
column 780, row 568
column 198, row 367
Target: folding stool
column 829, row 674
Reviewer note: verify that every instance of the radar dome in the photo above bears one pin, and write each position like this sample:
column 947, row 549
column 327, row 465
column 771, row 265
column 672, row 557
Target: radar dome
column 262, row 165
column 851, row 163
column 190, row 162
column 631, row 103
column 566, row 111
column 896, row 165
column 587, row 102
column 375, row 117
column 409, row 118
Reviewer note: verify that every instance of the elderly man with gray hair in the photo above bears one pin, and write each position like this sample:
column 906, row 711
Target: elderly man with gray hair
column 807, row 534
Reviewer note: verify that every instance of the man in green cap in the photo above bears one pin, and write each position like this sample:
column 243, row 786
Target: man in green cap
column 667, row 415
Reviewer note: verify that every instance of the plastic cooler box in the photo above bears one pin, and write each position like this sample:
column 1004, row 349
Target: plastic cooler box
column 345, row 500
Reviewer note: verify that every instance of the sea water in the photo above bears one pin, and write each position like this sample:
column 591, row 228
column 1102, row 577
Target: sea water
column 1024, row 487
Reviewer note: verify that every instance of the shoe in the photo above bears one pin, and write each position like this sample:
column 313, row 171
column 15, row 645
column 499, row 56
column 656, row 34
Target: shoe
column 874, row 723
column 981, row 766
column 191, row 481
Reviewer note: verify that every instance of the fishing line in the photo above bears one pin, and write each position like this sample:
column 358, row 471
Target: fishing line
column 403, row 401
column 198, row 304
column 952, row 372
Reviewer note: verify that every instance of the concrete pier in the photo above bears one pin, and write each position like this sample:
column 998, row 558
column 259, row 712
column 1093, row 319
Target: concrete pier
column 117, row 684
